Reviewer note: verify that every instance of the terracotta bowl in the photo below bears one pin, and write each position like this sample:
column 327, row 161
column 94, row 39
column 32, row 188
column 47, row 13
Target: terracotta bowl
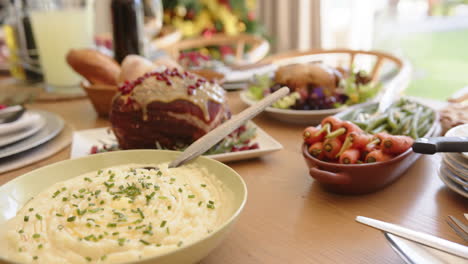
column 362, row 178
column 358, row 178
column 101, row 97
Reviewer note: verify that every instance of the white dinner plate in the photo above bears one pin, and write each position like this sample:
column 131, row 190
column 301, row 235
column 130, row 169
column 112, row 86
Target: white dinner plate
column 23, row 122
column 84, row 140
column 302, row 117
column 452, row 185
column 458, row 179
column 15, row 136
column 53, row 125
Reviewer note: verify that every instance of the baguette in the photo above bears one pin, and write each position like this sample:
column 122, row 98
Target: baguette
column 95, row 66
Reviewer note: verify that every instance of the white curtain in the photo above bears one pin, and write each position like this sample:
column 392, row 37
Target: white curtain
column 292, row 24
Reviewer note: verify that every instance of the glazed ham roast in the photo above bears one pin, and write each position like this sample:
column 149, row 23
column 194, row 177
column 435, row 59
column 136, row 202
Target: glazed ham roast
column 167, row 109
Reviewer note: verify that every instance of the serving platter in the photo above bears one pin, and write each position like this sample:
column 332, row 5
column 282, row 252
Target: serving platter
column 84, row 140
column 53, row 125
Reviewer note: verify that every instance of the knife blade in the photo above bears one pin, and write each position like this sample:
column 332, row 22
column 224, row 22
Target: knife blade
column 412, row 252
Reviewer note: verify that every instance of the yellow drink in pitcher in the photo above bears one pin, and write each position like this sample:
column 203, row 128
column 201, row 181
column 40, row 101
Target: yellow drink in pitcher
column 56, row 32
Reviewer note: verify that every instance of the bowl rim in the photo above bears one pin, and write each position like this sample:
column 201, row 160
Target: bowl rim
column 216, row 230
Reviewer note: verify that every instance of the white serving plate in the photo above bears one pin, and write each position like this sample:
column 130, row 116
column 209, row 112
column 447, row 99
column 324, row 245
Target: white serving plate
column 302, row 117
column 21, row 123
column 84, row 140
column 52, row 127
column 12, row 137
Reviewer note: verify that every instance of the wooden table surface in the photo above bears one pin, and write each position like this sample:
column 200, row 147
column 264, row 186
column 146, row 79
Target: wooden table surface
column 289, row 218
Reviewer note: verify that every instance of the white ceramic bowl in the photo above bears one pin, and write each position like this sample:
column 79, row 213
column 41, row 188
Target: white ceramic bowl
column 17, row 192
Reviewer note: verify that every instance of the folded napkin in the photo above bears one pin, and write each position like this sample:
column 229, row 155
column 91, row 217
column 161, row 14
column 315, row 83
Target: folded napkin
column 27, row 119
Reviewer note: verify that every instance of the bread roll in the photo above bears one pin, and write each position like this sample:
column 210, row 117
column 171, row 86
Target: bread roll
column 95, row 66
column 134, row 66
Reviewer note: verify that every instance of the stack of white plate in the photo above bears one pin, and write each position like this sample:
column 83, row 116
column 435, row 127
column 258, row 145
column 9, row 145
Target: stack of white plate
column 31, row 130
column 454, row 167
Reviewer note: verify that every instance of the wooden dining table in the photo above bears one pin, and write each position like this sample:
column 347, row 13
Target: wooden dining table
column 289, row 217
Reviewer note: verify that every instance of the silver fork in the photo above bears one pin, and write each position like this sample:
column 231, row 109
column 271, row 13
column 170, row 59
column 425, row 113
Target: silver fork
column 459, row 227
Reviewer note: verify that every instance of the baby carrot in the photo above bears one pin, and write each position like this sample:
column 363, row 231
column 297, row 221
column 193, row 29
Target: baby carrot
column 350, row 156
column 346, row 128
column 396, row 144
column 330, row 123
column 311, row 135
column 331, row 147
column 368, row 149
column 377, row 156
column 316, row 150
column 355, row 140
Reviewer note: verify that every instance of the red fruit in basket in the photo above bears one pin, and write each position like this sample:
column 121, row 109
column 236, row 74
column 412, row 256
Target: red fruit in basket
column 350, row 156
column 331, row 147
column 312, row 134
column 316, row 150
column 377, row 156
column 396, row 144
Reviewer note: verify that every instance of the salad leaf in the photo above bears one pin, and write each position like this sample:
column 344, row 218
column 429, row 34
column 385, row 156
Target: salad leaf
column 259, row 86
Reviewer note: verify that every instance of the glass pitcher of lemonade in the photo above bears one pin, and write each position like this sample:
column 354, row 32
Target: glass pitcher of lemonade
column 58, row 26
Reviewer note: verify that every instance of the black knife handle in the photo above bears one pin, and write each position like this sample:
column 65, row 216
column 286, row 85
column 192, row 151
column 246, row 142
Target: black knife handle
column 432, row 145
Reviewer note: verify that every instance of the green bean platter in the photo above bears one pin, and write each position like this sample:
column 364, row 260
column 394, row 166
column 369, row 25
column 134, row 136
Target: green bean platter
column 403, row 117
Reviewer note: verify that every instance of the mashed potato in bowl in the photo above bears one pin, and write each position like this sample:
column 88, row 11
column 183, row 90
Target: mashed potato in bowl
column 119, row 214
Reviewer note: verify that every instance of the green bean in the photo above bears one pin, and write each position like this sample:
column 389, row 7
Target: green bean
column 401, row 125
column 391, row 119
column 362, row 125
column 380, row 128
column 377, row 121
column 415, row 122
column 355, row 114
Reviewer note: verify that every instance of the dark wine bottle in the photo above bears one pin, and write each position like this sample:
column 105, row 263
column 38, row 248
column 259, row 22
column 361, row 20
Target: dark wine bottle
column 128, row 28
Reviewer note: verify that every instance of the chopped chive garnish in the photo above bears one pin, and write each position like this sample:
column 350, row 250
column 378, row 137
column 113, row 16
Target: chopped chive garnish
column 159, row 173
column 39, row 246
column 59, row 215
column 115, row 233
column 39, row 217
column 71, row 218
column 111, row 225
column 35, row 257
column 103, row 257
column 21, row 231
column 64, row 199
column 121, row 241
column 60, row 227
column 180, row 244
column 163, row 223
column 200, row 203
column 156, row 211
column 191, row 196
column 89, row 259
column 158, row 245
column 26, row 218
column 144, row 242
column 210, row 206
column 169, row 207
column 56, row 194
column 82, row 190
column 31, row 209
column 156, row 188
column 162, row 197
column 180, row 190
column 203, row 185
column 88, row 225
column 36, row 235
column 87, row 179
column 210, row 202
column 64, row 189
column 168, row 231
column 81, row 212
column 101, row 202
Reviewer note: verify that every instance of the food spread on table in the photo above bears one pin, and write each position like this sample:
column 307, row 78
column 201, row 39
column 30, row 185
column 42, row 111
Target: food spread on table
column 316, row 86
column 118, row 214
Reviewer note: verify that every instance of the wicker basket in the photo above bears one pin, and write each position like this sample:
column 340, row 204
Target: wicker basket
column 259, row 47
